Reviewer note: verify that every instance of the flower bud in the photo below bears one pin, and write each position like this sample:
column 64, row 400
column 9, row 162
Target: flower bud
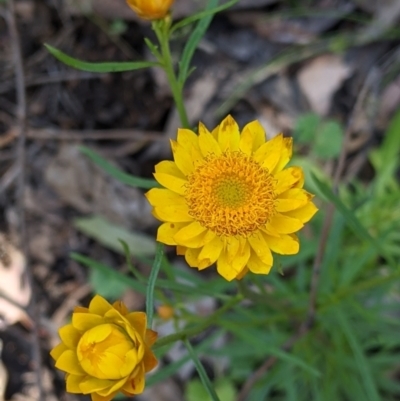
column 105, row 350
column 150, row 9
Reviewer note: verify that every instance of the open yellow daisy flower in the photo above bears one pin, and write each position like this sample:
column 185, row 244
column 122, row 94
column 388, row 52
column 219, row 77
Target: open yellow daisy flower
column 229, row 199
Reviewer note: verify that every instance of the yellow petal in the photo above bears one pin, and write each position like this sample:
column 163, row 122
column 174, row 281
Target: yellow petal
column 117, row 386
column 252, row 137
column 187, row 139
column 268, row 154
column 203, row 129
column 169, row 167
column 303, row 214
column 256, row 266
column 242, row 273
column 241, row 258
column 194, row 242
column 69, row 336
column 231, row 248
column 120, row 307
column 99, row 306
column 189, row 231
column 161, row 197
column 208, row 145
column 260, row 248
column 130, row 362
column 91, row 384
column 135, row 384
column 81, row 309
column 228, row 134
column 171, row 182
column 180, row 250
column 285, row 154
column 190, row 142
column 56, row 352
column 72, row 383
column 214, row 132
column 285, row 245
column 138, row 320
column 151, row 337
column 224, row 267
column 210, row 252
column 182, row 158
column 98, row 397
column 86, row 321
column 191, row 256
column 166, row 232
column 292, row 199
column 68, row 362
column 285, row 224
column 288, row 178
column 268, row 229
column 174, row 213
column 149, row 361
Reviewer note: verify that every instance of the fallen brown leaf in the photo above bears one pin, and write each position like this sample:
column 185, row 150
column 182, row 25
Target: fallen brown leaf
column 15, row 291
column 321, row 78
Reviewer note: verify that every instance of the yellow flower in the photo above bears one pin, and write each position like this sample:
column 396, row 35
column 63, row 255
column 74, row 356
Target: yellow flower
column 228, row 199
column 150, row 9
column 105, row 350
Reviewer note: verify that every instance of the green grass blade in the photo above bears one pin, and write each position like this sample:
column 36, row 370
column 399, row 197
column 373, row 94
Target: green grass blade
column 135, row 272
column 103, row 67
column 202, row 14
column 134, row 284
column 115, row 172
column 171, row 368
column 201, row 371
column 152, row 282
column 193, row 41
column 351, row 220
column 360, row 359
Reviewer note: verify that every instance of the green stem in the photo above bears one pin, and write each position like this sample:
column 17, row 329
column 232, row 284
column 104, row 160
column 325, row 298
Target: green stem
column 161, row 29
column 192, row 331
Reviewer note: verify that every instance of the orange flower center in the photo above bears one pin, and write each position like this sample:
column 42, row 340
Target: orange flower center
column 231, row 194
column 106, row 352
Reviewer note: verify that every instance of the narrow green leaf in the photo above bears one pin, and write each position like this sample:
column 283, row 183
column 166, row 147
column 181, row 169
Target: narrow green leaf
column 360, row 359
column 103, row 67
column 201, row 371
column 202, row 14
column 128, row 258
column 193, row 41
column 171, row 368
column 107, row 270
column 351, row 220
column 258, row 342
column 105, row 284
column 152, row 282
column 115, row 172
column 153, row 49
column 390, row 148
column 110, row 235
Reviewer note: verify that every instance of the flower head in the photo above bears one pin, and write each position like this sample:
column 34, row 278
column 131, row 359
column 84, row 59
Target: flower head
column 227, row 198
column 150, row 9
column 105, row 350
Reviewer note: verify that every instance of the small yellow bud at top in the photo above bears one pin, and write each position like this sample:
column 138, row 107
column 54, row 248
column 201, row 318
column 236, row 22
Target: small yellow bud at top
column 150, row 9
